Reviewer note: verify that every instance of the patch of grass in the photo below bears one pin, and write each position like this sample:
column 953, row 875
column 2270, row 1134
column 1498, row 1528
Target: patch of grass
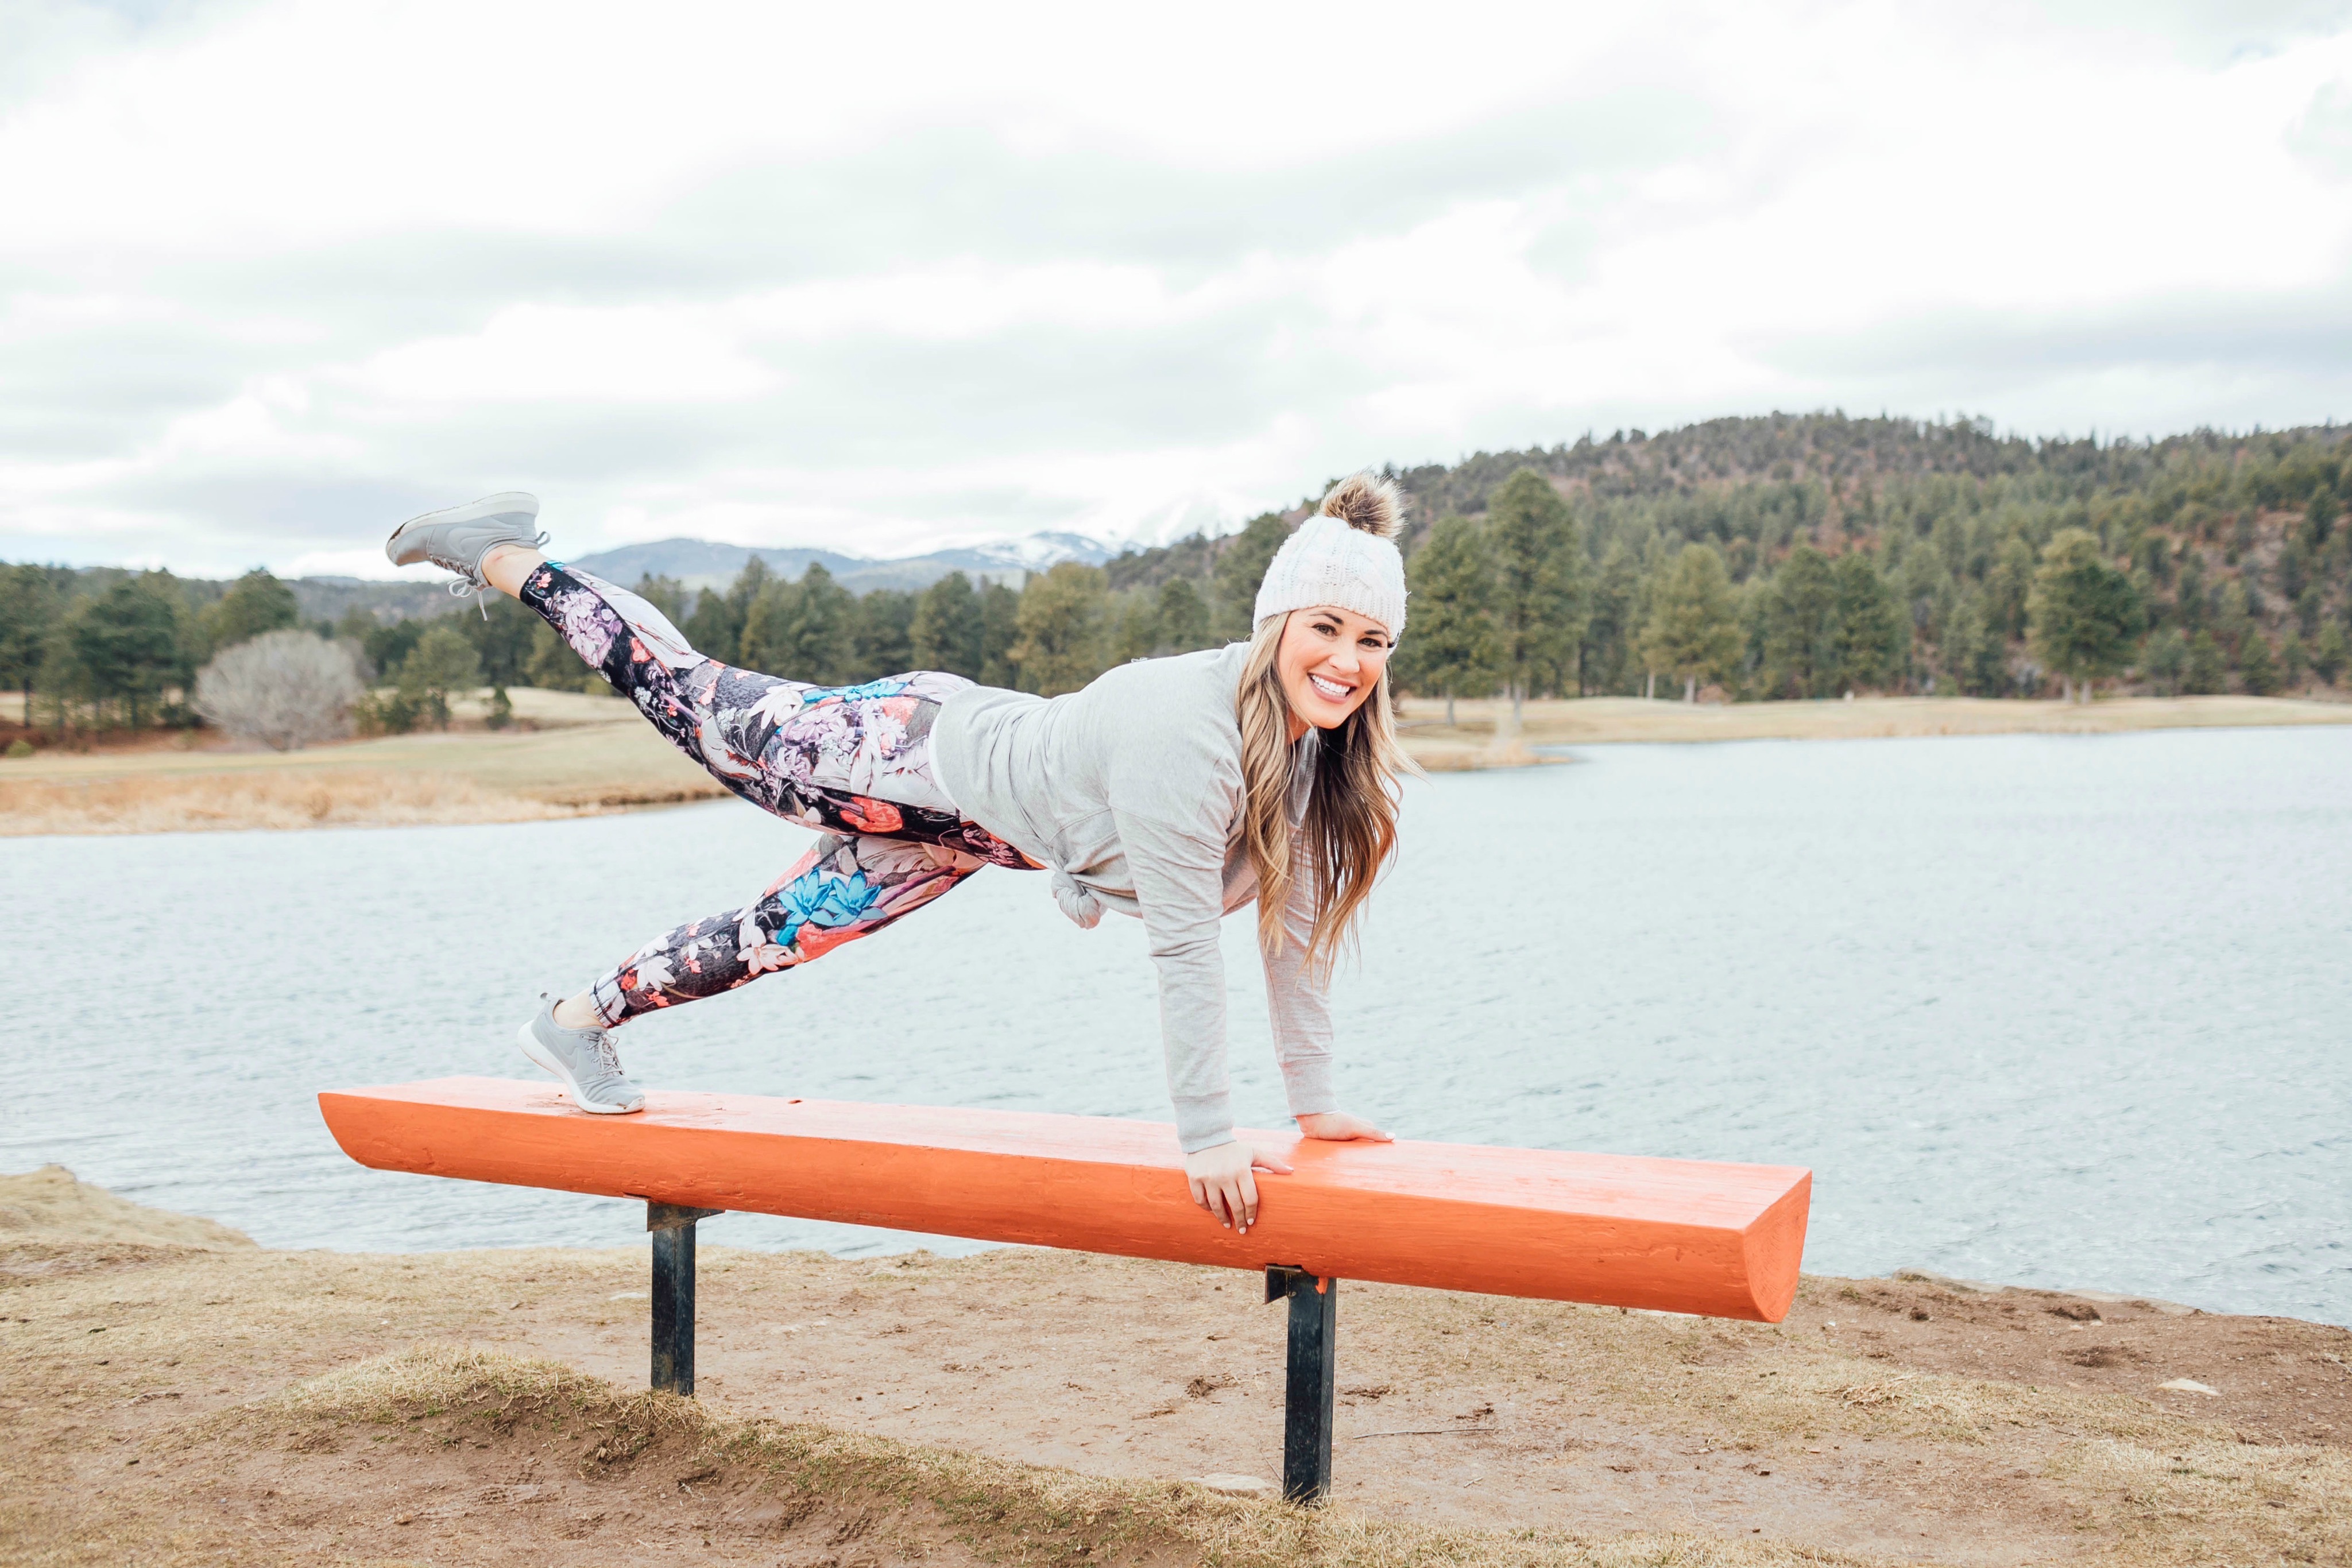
column 1003, row 1511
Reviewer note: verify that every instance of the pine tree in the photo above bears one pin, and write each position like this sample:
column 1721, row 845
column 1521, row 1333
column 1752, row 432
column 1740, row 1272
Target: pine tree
column 503, row 638
column 2208, row 671
column 2328, row 653
column 881, row 635
column 1694, row 630
column 2083, row 616
column 748, row 584
column 1000, row 631
column 2295, row 659
column 1532, row 538
column 1183, row 616
column 28, row 610
column 1241, row 566
column 802, row 630
column 1060, row 648
column 255, row 604
column 443, row 665
column 2258, row 669
column 1454, row 647
column 2165, row 661
column 1975, row 655
column 716, row 628
column 1800, row 626
column 2007, row 586
column 1611, row 628
column 945, row 631
column 1134, row 627
column 1873, row 634
column 130, row 643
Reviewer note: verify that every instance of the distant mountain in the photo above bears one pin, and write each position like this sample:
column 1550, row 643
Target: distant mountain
column 699, row 563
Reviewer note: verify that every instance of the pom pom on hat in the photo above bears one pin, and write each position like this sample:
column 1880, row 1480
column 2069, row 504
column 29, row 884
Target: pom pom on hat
column 1363, row 502
column 1344, row 556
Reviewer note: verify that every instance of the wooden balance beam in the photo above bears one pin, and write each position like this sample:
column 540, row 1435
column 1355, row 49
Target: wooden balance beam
column 1679, row 1236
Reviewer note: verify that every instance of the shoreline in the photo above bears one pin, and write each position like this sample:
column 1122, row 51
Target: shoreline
column 176, row 1390
column 591, row 756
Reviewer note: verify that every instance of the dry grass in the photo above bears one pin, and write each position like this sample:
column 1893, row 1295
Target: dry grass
column 325, row 1400
column 1597, row 720
column 1004, row 1511
column 49, row 1205
column 313, row 799
column 593, row 754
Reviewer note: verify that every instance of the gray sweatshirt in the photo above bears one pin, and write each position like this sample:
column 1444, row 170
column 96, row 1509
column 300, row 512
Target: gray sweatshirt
column 1131, row 790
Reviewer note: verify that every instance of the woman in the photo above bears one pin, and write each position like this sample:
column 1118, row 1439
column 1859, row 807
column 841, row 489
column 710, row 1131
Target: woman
column 1176, row 789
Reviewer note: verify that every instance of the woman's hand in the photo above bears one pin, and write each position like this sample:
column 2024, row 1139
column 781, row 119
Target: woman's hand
column 1222, row 1184
column 1339, row 1127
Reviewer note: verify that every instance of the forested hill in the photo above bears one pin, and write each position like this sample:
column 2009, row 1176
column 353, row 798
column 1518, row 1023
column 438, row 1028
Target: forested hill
column 1788, row 556
column 1814, row 465
column 2211, row 537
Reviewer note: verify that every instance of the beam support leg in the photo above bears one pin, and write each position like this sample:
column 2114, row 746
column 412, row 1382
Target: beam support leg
column 1308, row 1386
column 673, row 1294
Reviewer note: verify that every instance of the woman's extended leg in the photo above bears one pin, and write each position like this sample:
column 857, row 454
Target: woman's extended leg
column 847, row 759
column 843, row 888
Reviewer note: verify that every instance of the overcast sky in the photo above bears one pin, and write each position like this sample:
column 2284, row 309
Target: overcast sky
column 274, row 277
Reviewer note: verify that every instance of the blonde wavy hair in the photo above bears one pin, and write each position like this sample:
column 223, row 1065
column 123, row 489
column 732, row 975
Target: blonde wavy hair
column 1352, row 802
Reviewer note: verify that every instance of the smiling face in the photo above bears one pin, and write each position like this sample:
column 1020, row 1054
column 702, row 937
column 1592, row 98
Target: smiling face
column 1328, row 661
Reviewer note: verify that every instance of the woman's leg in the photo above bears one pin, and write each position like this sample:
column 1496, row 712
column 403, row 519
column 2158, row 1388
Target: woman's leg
column 854, row 761
column 845, row 886
column 843, row 759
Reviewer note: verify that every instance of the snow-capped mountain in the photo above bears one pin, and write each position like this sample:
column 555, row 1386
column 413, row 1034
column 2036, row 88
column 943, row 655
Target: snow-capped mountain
column 699, row 563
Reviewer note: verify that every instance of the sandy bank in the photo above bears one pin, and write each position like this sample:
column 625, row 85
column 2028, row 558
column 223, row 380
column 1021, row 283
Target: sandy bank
column 1593, row 721
column 593, row 755
column 587, row 756
column 168, row 1403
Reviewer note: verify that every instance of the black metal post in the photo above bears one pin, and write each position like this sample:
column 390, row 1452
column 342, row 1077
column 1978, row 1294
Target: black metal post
column 673, row 1230
column 1309, row 1387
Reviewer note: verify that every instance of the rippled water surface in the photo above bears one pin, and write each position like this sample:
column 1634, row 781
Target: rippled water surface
column 2053, row 1010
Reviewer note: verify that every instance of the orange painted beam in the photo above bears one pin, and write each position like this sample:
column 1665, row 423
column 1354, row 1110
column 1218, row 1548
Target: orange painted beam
column 1619, row 1230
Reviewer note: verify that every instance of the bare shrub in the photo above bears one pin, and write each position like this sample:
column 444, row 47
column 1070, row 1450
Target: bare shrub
column 282, row 689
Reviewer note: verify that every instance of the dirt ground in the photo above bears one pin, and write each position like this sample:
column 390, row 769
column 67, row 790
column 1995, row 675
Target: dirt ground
column 221, row 1403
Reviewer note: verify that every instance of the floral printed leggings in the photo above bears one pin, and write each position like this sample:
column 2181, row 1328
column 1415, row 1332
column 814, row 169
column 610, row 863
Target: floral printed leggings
column 852, row 761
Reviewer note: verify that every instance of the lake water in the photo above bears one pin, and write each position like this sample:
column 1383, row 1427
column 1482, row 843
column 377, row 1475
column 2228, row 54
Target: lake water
column 2050, row 1011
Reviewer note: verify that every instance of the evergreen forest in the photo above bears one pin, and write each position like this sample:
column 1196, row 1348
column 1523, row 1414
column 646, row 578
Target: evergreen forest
column 1775, row 556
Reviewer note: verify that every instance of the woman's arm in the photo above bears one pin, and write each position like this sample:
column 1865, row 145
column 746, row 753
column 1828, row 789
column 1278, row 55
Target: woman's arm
column 1179, row 890
column 1300, row 1008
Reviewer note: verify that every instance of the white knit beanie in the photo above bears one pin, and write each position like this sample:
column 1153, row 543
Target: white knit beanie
column 1344, row 556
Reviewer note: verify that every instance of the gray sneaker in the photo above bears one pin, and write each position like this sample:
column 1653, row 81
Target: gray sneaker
column 456, row 539
column 584, row 1059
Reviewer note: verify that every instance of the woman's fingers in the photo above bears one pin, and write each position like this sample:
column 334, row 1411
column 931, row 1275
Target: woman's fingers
column 1224, row 1182
column 1339, row 1127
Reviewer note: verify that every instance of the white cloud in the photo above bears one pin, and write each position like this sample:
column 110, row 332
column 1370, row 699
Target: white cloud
column 277, row 275
column 558, row 353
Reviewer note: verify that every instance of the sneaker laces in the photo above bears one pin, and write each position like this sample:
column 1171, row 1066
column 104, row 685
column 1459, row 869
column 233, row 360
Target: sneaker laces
column 469, row 586
column 608, row 1057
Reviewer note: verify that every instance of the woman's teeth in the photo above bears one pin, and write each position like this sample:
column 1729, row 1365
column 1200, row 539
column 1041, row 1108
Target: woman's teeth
column 1332, row 690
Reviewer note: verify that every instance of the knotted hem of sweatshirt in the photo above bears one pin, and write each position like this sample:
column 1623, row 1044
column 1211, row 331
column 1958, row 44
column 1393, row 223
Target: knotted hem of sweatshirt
column 1084, row 910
